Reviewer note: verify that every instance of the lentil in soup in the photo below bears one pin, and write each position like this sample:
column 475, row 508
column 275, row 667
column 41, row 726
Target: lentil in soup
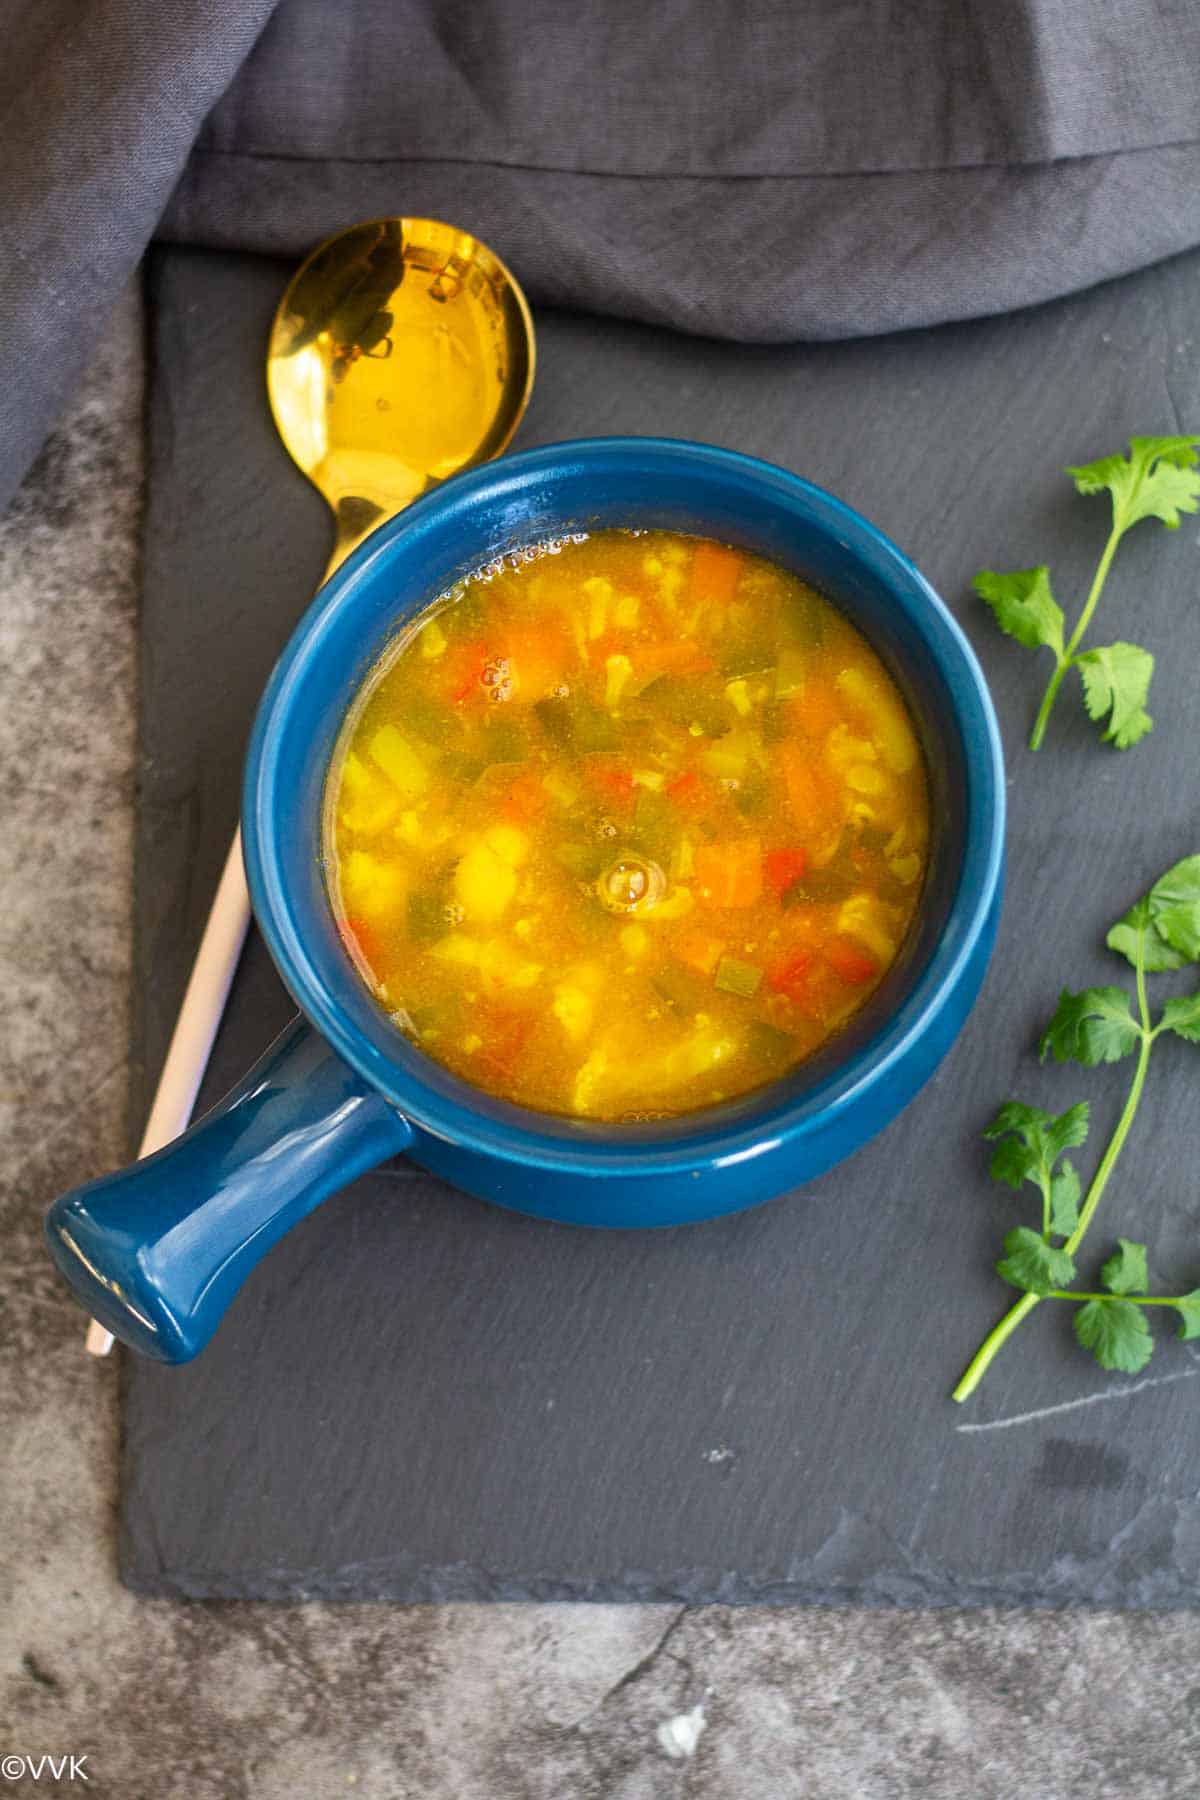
column 626, row 825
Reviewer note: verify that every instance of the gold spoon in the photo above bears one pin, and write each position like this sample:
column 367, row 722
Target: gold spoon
column 402, row 351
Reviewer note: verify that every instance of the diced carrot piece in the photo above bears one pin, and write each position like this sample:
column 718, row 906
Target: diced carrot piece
column 716, row 571
column 810, row 794
column 850, row 963
column 678, row 657
column 783, row 867
column 686, row 790
column 462, row 670
column 699, row 951
column 816, row 710
column 616, row 784
column 730, row 874
column 525, row 799
column 539, row 657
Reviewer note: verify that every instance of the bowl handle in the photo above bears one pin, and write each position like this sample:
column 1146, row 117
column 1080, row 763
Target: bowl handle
column 157, row 1251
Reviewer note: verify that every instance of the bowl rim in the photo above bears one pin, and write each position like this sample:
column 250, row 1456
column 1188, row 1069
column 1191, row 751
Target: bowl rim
column 472, row 1127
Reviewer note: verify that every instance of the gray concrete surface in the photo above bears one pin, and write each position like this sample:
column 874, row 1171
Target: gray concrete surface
column 221, row 1702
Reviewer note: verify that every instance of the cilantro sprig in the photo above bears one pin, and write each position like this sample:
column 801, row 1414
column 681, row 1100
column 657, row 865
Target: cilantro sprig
column 1157, row 480
column 1160, row 932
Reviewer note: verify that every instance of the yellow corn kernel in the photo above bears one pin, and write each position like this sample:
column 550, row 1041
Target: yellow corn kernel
column 509, row 844
column 399, row 762
column 739, row 696
column 859, row 918
column 458, row 948
column 843, row 749
column 865, row 779
column 472, row 1042
column 905, row 868
column 885, row 719
column 484, row 883
column 573, row 1009
column 432, row 640
column 370, row 887
column 597, row 591
column 560, row 789
column 505, row 967
column 677, row 905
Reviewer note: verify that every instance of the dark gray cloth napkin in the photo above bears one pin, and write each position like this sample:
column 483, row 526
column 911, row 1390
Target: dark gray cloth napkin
column 743, row 168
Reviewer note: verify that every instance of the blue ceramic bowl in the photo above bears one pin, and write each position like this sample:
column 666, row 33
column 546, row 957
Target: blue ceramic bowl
column 157, row 1251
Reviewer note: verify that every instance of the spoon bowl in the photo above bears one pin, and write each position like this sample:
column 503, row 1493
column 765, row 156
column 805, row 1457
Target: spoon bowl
column 402, row 351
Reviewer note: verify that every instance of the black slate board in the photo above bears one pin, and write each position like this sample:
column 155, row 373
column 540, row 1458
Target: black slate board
column 421, row 1397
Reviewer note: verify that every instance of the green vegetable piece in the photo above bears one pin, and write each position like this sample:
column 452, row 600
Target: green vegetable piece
column 1167, row 920
column 820, row 886
column 736, row 977
column 655, row 825
column 1116, row 680
column 1126, row 1272
column 1188, row 1308
column 791, row 672
column 426, row 915
column 584, row 860
column 1116, row 1333
column 802, row 614
column 1095, row 1026
column 554, row 716
column 1023, row 606
column 691, row 700
column 751, row 796
column 503, row 741
column 749, row 649
column 773, row 723
column 769, row 1046
column 460, row 768
column 1031, row 1263
column 683, row 991
column 436, row 725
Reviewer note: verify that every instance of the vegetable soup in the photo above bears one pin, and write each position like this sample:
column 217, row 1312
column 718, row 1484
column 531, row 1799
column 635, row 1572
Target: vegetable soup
column 625, row 825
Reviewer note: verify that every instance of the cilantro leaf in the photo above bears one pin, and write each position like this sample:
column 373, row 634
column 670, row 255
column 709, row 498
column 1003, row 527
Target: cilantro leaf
column 1188, row 1308
column 1038, row 1139
column 1064, row 1201
column 1024, row 606
column 1095, row 1026
column 1116, row 1333
column 1125, row 1272
column 1182, row 1016
column 1033, row 1264
column 1168, row 918
column 1158, row 479
column 1116, row 680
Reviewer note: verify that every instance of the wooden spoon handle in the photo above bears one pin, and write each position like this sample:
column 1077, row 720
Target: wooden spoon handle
column 196, row 1027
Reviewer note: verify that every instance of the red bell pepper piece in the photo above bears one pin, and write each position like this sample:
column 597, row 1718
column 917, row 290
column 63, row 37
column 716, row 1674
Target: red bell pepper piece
column 782, row 867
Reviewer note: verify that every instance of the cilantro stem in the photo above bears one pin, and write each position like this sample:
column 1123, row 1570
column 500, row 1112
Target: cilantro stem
column 999, row 1336
column 1135, row 1299
column 1067, row 656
